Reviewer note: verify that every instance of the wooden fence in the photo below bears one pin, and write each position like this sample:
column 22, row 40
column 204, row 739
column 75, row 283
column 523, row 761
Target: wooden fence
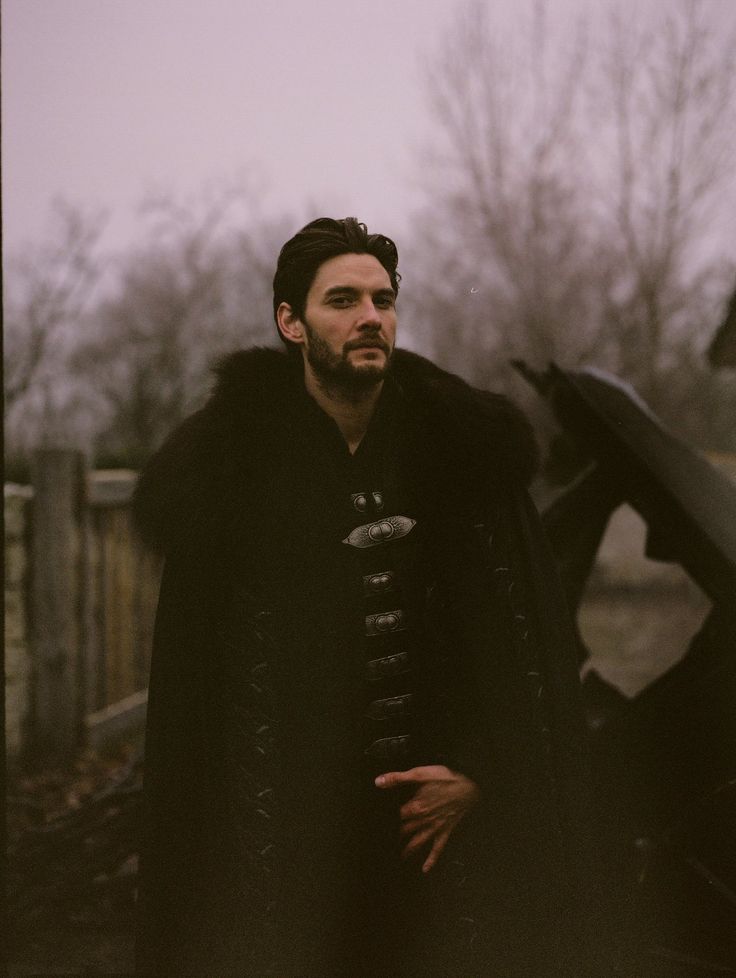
column 83, row 593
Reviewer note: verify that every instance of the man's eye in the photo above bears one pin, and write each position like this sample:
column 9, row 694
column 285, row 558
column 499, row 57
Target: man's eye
column 384, row 303
column 340, row 300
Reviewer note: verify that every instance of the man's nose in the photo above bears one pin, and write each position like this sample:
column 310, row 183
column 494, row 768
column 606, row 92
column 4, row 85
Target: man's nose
column 369, row 317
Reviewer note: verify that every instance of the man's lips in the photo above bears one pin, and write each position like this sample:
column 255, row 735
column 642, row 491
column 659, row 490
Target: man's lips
column 367, row 345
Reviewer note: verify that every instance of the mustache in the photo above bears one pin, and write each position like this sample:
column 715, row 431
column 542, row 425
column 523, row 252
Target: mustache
column 368, row 343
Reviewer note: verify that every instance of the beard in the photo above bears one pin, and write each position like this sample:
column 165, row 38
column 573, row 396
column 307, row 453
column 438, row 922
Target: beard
column 336, row 373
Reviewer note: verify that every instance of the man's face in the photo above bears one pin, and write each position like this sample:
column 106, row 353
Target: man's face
column 350, row 322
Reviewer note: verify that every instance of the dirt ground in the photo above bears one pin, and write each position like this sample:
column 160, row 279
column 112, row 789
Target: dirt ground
column 72, row 863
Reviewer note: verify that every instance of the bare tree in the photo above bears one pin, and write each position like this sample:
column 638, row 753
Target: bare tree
column 49, row 290
column 667, row 96
column 507, row 202
column 112, row 362
column 571, row 197
column 196, row 286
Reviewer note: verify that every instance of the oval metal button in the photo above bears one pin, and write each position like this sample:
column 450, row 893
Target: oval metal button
column 374, row 534
column 391, row 665
column 381, row 531
column 390, row 708
column 385, row 622
column 378, row 583
column 360, row 501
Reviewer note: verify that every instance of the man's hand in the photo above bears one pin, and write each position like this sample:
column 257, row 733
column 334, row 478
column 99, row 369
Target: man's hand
column 440, row 801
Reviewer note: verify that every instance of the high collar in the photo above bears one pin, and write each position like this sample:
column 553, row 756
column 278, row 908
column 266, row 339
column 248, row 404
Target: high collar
column 461, row 441
column 260, row 385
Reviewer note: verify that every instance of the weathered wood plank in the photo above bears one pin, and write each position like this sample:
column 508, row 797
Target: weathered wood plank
column 118, row 607
column 57, row 600
column 118, row 722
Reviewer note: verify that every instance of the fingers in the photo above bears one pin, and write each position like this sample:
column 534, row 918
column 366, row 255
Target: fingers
column 415, row 808
column 409, row 827
column 433, row 801
column 428, row 818
column 440, row 841
column 437, row 833
column 415, row 775
column 417, row 841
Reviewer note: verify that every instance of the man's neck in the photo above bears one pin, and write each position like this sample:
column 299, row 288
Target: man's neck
column 351, row 411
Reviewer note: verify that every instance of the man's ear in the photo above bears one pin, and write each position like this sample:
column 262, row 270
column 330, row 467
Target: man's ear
column 290, row 326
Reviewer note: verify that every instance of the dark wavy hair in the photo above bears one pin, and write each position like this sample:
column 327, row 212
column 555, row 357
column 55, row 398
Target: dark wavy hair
column 315, row 244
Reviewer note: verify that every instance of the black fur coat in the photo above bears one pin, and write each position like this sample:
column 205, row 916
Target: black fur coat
column 214, row 880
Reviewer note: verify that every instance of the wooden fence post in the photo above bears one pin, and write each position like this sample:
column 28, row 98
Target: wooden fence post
column 58, row 596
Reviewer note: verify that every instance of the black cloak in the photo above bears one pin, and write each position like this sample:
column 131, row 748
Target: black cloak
column 247, row 863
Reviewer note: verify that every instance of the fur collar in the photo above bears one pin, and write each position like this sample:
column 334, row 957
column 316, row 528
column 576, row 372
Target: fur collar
column 465, row 439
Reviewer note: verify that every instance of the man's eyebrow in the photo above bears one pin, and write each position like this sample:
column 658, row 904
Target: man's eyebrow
column 351, row 290
column 339, row 289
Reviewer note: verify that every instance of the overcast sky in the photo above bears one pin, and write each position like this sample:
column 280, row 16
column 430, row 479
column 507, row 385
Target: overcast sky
column 104, row 100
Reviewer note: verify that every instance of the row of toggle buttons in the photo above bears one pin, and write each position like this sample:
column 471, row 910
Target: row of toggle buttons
column 383, row 530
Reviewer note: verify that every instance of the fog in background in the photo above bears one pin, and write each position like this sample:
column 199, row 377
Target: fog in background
column 559, row 177
column 106, row 100
column 323, row 102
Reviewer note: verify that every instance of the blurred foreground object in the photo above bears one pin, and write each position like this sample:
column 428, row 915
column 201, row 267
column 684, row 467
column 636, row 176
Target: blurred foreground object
column 665, row 760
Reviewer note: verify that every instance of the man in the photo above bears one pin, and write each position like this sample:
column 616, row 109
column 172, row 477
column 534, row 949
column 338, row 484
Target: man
column 364, row 747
